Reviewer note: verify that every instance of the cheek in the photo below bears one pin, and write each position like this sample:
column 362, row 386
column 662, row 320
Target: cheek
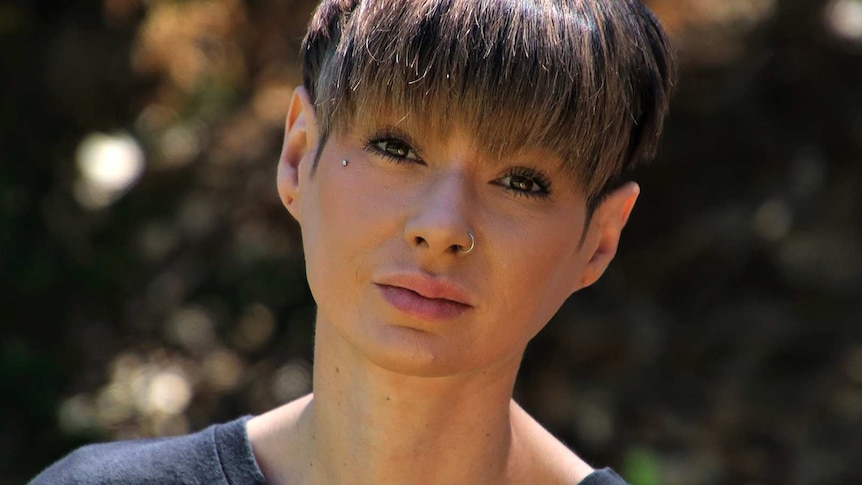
column 539, row 273
column 356, row 205
column 346, row 216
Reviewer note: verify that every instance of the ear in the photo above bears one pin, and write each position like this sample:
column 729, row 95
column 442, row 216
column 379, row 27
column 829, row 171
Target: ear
column 300, row 144
column 605, row 229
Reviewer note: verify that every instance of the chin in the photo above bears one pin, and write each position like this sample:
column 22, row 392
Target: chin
column 418, row 353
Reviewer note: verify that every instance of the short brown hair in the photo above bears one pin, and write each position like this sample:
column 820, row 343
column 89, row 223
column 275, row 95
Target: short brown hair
column 587, row 79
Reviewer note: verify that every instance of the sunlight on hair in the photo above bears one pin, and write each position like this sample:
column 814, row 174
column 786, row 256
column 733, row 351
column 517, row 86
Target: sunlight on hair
column 108, row 165
column 845, row 19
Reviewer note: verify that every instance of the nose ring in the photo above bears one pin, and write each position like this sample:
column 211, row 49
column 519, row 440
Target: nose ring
column 461, row 248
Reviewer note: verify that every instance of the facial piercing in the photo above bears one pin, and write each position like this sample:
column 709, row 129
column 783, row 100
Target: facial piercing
column 344, row 163
column 472, row 244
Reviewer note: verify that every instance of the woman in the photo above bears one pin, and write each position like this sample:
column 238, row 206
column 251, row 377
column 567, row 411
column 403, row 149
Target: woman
column 457, row 168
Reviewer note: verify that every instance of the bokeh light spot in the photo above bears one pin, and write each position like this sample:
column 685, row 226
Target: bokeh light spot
column 77, row 414
column 108, row 165
column 222, row 370
column 114, row 404
column 255, row 328
column 853, row 365
column 773, row 220
column 192, row 328
column 845, row 19
column 180, row 144
column 168, row 392
column 291, row 381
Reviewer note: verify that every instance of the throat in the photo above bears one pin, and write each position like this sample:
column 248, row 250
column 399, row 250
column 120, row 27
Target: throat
column 403, row 442
column 367, row 424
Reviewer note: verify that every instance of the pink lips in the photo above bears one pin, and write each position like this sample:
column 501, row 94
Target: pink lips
column 424, row 297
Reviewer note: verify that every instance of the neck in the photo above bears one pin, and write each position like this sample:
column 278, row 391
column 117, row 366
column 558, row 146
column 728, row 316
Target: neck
column 371, row 425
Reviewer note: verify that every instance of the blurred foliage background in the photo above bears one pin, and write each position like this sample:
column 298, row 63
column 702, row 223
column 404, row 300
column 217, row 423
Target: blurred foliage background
column 152, row 284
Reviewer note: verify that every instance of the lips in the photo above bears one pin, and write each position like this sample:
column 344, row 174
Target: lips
column 425, row 297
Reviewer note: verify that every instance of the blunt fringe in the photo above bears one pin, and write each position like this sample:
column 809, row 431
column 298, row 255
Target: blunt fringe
column 589, row 80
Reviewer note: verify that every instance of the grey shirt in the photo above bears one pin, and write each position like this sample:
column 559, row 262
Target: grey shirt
column 220, row 454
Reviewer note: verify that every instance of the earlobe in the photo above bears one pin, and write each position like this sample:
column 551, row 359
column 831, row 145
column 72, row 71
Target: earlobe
column 607, row 226
column 300, row 141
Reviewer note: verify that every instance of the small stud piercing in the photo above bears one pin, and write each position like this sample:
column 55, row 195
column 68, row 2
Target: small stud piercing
column 344, row 163
column 462, row 250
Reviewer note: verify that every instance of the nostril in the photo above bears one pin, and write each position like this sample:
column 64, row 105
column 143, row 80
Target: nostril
column 420, row 241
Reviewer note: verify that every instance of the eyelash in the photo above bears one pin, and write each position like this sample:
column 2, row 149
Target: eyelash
column 372, row 147
column 531, row 175
column 541, row 181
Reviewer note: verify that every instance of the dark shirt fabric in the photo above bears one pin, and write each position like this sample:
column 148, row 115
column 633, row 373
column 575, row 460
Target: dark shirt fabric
column 220, row 454
column 605, row 476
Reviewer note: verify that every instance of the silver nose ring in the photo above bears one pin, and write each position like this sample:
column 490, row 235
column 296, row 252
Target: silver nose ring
column 463, row 250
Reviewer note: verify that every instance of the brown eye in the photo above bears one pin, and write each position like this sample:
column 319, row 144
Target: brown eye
column 522, row 181
column 519, row 182
column 523, row 184
column 396, row 149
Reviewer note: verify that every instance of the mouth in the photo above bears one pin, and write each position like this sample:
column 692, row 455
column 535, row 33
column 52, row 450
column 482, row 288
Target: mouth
column 412, row 303
column 425, row 296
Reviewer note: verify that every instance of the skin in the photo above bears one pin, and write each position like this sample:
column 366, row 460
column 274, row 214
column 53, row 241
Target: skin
column 399, row 398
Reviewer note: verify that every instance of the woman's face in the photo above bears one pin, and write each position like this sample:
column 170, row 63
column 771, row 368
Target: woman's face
column 384, row 229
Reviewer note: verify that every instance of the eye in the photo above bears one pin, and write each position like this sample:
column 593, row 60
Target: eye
column 525, row 182
column 519, row 182
column 393, row 148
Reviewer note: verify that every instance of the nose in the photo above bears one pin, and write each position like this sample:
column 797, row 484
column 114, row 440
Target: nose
column 439, row 221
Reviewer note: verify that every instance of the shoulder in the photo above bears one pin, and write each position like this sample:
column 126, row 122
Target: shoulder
column 205, row 457
column 548, row 460
column 185, row 459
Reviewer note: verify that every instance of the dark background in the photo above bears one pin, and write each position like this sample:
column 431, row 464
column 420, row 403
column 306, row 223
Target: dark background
column 723, row 346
